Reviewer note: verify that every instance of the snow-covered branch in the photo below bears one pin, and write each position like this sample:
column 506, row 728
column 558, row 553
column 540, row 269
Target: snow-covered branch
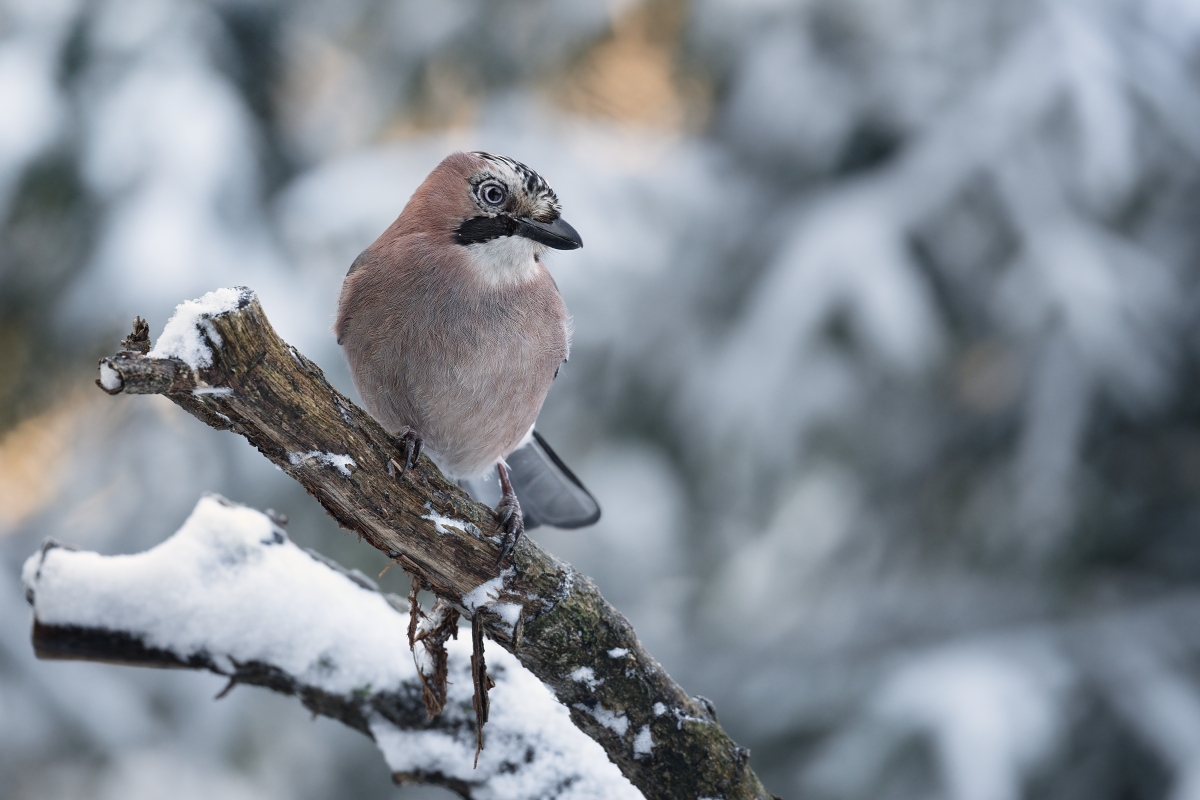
column 230, row 593
column 220, row 360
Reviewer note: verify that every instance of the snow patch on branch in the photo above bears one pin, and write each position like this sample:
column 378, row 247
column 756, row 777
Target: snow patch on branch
column 509, row 612
column 548, row 757
column 440, row 523
column 341, row 463
column 681, row 717
column 616, row 722
column 183, row 338
column 110, row 379
column 488, row 594
column 586, row 676
column 226, row 583
column 643, row 743
column 227, row 586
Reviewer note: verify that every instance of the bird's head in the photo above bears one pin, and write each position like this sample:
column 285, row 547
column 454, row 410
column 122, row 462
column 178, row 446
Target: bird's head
column 490, row 203
column 509, row 199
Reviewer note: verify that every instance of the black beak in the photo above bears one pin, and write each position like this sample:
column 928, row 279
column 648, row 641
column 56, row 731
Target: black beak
column 558, row 234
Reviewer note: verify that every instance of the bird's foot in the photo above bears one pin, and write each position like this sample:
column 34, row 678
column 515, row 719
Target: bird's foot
column 512, row 525
column 512, row 522
column 410, row 443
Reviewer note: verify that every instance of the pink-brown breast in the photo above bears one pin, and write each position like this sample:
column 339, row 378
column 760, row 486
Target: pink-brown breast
column 429, row 346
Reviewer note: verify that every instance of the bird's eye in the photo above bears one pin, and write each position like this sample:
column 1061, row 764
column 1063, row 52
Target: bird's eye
column 493, row 194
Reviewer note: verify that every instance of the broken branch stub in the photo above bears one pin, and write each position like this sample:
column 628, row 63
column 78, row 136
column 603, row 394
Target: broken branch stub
column 481, row 682
column 240, row 376
column 427, row 637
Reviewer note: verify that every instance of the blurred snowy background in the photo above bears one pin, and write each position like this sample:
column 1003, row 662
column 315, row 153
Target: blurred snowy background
column 886, row 367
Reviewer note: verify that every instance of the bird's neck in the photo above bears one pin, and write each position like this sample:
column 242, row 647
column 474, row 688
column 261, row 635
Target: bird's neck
column 506, row 261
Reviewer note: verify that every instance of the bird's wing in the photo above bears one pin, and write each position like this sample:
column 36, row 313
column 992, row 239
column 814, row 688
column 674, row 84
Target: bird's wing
column 548, row 491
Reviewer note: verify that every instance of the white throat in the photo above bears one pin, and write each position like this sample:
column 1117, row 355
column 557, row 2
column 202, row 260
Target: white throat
column 506, row 261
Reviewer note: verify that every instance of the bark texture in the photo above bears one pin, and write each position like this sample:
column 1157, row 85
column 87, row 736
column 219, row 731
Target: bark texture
column 263, row 389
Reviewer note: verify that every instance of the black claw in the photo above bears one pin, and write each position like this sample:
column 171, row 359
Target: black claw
column 411, row 443
column 512, row 522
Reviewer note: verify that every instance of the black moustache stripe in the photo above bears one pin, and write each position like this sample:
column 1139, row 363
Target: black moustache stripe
column 483, row 229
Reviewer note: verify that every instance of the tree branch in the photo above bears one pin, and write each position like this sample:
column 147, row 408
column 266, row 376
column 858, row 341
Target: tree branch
column 220, row 360
column 231, row 594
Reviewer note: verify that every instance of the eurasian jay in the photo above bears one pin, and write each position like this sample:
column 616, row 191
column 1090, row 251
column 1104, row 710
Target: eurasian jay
column 454, row 331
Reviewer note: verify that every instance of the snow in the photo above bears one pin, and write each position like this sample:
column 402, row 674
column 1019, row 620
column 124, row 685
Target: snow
column 110, row 379
column 586, row 676
column 226, row 563
column 643, row 743
column 558, row 748
column 342, row 463
column 618, row 652
column 488, row 592
column 217, row 391
column 682, row 717
column 659, row 709
column 228, row 585
column 616, row 722
column 186, row 331
column 440, row 523
column 509, row 612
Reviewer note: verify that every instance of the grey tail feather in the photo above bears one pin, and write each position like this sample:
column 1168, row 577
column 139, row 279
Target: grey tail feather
column 548, row 491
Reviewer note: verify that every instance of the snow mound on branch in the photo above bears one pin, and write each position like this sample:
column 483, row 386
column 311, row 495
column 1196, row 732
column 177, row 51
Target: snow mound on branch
column 229, row 582
column 553, row 750
column 231, row 586
column 185, row 333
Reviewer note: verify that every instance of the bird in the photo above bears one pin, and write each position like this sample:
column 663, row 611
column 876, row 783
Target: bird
column 454, row 331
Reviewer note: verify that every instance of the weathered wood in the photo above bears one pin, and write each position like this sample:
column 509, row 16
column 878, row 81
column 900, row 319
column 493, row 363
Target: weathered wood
column 265, row 390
